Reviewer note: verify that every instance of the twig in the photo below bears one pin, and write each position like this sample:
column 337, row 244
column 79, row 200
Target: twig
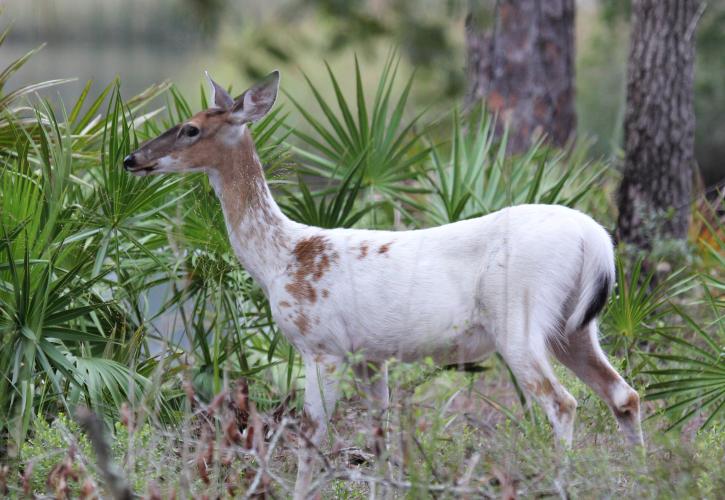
column 264, row 461
column 94, row 429
column 466, row 477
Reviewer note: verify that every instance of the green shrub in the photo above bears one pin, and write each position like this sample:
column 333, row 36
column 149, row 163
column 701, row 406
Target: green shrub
column 50, row 445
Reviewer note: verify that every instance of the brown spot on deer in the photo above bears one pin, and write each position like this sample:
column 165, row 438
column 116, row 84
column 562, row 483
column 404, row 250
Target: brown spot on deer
column 312, row 262
column 542, row 388
column 323, row 266
column 565, row 406
column 325, row 293
column 384, row 248
column 630, row 407
column 284, row 303
column 302, row 322
column 363, row 250
column 302, row 290
column 308, row 249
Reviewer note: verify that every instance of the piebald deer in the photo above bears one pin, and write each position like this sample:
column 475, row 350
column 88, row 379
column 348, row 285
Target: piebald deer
column 527, row 281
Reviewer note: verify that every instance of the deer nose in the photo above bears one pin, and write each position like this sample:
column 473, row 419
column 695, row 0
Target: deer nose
column 129, row 162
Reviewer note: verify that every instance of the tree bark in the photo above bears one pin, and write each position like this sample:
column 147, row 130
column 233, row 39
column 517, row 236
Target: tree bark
column 523, row 69
column 659, row 123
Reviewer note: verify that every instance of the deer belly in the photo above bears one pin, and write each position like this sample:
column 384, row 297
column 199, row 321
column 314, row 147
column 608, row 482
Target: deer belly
column 448, row 333
column 460, row 344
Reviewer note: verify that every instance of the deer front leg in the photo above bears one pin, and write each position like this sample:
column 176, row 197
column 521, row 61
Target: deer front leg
column 372, row 379
column 322, row 377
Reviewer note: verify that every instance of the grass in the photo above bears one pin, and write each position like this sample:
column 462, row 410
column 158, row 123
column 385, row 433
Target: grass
column 444, row 439
column 123, row 295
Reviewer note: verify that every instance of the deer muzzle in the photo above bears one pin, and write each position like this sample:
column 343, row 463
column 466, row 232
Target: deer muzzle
column 130, row 164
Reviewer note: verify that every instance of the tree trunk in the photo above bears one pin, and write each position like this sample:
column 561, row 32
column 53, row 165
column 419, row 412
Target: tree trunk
column 524, row 69
column 659, row 123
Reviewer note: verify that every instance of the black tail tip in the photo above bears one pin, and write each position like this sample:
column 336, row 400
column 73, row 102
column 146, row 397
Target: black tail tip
column 598, row 301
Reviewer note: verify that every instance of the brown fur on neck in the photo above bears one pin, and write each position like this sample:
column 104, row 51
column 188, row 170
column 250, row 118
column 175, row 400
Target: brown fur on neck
column 243, row 187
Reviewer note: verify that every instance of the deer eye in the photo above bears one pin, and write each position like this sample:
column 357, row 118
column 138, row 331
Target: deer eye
column 189, row 130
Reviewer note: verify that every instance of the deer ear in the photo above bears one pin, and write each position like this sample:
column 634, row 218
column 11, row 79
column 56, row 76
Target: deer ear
column 256, row 102
column 219, row 97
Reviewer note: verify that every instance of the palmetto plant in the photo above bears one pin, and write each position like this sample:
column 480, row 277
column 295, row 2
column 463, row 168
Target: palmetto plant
column 124, row 209
column 379, row 138
column 638, row 305
column 691, row 374
column 693, row 379
column 335, row 206
column 477, row 177
column 68, row 240
column 53, row 318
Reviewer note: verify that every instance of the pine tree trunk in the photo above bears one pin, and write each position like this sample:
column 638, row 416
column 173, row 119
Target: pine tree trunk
column 659, row 124
column 524, row 69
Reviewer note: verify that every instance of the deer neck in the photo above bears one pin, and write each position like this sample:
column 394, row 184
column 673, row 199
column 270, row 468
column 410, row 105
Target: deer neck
column 259, row 232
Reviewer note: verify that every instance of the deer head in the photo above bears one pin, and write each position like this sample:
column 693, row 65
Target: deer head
column 202, row 142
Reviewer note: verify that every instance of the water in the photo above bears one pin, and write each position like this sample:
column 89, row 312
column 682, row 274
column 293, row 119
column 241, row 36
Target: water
column 137, row 66
column 142, row 43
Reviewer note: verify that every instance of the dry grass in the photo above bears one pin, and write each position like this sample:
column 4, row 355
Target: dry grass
column 446, row 437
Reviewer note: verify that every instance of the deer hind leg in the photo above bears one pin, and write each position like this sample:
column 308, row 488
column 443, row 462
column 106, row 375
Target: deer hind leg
column 527, row 357
column 373, row 380
column 581, row 353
